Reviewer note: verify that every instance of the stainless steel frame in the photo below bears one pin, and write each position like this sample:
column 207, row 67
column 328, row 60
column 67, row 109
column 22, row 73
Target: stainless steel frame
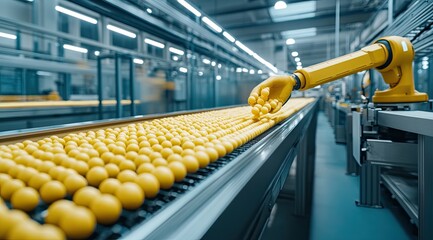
column 421, row 123
column 236, row 200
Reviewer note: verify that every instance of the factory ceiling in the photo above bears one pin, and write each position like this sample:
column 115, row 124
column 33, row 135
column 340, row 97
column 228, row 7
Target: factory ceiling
column 310, row 23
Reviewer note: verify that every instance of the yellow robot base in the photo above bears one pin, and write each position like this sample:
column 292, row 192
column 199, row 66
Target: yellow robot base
column 392, row 96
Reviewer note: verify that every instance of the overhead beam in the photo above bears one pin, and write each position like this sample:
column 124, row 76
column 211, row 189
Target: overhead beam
column 246, row 31
column 242, row 8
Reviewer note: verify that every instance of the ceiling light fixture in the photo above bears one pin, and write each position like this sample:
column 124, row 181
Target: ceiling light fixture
column 212, row 25
column 188, row 6
column 245, row 48
column 183, row 69
column 176, row 51
column 297, row 59
column 7, row 35
column 290, row 41
column 218, row 77
column 75, row 48
column 295, row 54
column 298, row 67
column 280, row 5
column 121, row 31
column 206, row 61
column 154, row 43
column 76, row 15
column 229, row 37
column 138, row 61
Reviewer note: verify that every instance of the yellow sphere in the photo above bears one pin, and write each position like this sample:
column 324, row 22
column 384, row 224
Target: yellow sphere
column 38, row 180
column 127, row 165
column 74, row 182
column 10, row 187
column 130, row 195
column 140, row 159
column 110, row 186
column 165, row 176
column 24, row 230
column 178, row 169
column 96, row 175
column 57, row 209
column 191, row 163
column 112, row 170
column 52, row 191
column 51, row 232
column 10, row 219
column 25, row 199
column 149, row 183
column 85, row 196
column 145, row 168
column 78, row 224
column 202, row 158
column 127, row 176
column 107, row 209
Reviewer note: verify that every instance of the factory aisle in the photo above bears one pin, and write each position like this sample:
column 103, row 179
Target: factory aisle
column 334, row 213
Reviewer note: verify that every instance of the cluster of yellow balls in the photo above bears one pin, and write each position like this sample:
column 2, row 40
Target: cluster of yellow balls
column 262, row 104
column 107, row 170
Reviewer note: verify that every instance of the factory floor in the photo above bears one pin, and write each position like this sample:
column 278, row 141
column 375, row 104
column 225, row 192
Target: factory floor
column 334, row 214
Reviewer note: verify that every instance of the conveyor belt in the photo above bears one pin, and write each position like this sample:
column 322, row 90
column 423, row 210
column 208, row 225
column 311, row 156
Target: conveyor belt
column 129, row 220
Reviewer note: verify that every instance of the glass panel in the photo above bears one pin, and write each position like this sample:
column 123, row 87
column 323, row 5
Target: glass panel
column 122, row 41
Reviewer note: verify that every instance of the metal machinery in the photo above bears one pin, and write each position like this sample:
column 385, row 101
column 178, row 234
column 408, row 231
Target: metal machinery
column 391, row 141
column 389, row 144
column 231, row 198
column 35, row 63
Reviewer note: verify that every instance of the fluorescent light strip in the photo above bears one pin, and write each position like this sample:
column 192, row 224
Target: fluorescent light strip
column 7, row 35
column 188, row 6
column 138, row 61
column 266, row 63
column 229, row 37
column 280, row 5
column 183, row 69
column 121, row 31
column 212, row 25
column 245, row 48
column 76, row 15
column 75, row 48
column 176, row 51
column 154, row 43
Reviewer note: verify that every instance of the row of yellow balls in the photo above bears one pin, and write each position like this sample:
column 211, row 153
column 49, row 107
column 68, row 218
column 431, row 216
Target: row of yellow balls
column 129, row 175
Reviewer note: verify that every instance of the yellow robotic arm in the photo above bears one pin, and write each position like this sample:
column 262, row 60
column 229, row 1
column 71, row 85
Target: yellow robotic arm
column 391, row 56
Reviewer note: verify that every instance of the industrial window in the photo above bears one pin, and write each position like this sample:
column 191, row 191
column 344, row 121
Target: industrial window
column 155, row 51
column 122, row 41
column 88, row 30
